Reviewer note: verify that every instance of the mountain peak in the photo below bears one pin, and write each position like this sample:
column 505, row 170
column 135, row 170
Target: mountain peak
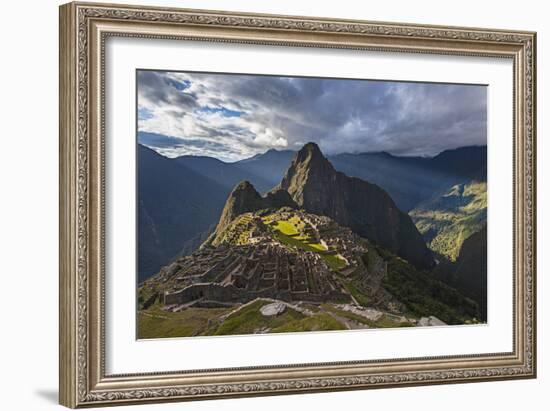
column 308, row 168
column 244, row 198
column 311, row 152
column 311, row 147
column 244, row 186
column 317, row 187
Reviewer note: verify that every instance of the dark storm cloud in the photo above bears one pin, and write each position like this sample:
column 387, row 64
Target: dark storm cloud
column 340, row 115
column 158, row 88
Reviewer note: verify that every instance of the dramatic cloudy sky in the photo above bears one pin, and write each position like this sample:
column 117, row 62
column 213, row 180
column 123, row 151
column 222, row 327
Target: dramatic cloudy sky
column 232, row 117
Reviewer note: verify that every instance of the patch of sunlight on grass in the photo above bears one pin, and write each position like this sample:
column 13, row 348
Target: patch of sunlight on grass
column 286, row 227
column 288, row 233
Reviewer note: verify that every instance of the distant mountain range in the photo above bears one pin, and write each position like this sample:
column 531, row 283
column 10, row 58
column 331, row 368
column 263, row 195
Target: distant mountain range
column 408, row 180
column 181, row 199
column 269, row 166
column 319, row 239
column 176, row 205
column 226, row 174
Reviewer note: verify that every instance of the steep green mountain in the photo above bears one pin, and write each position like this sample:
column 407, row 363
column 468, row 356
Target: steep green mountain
column 226, row 174
column 286, row 270
column 447, row 219
column 365, row 208
column 408, row 180
column 424, row 294
column 175, row 206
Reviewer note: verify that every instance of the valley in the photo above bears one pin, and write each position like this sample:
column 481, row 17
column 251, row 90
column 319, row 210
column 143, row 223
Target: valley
column 320, row 251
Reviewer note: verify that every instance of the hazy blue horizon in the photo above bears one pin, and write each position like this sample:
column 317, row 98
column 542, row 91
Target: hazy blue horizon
column 294, row 151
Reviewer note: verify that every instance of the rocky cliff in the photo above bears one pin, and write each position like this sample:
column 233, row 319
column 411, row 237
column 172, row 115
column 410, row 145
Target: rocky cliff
column 368, row 210
column 471, row 270
column 244, row 198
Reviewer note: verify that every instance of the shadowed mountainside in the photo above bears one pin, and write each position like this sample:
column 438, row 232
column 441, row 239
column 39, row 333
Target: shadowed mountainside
column 269, row 166
column 175, row 205
column 320, row 251
column 411, row 180
column 368, row 210
column 408, row 180
column 471, row 270
column 226, row 174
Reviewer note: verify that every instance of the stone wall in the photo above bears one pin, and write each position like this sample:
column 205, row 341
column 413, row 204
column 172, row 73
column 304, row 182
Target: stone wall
column 231, row 294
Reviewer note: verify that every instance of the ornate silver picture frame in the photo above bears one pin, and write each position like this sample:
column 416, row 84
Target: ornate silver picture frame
column 84, row 30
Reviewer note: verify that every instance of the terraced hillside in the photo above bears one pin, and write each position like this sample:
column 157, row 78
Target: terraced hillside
column 297, row 231
column 318, row 275
column 321, row 251
column 449, row 218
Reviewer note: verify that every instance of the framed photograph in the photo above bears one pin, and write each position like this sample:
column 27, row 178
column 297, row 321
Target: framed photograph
column 259, row 204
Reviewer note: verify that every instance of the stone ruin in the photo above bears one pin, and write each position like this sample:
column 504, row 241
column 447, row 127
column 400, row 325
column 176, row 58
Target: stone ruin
column 228, row 274
column 231, row 275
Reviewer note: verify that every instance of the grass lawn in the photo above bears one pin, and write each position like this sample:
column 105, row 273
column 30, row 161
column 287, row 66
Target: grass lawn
column 286, row 227
column 334, row 261
column 383, row 322
column 388, row 322
column 156, row 323
column 250, row 319
column 317, row 322
column 288, row 233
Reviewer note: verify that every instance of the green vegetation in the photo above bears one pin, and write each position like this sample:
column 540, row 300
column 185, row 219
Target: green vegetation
column 447, row 220
column 156, row 323
column 249, row 320
column 370, row 259
column 346, row 314
column 302, row 244
column 317, row 322
column 424, row 295
column 388, row 321
column 237, row 232
column 352, row 286
column 293, row 233
column 334, row 261
column 385, row 321
column 147, row 295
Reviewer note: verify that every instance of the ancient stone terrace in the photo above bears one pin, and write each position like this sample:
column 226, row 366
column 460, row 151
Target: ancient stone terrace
column 335, row 237
column 243, row 273
column 253, row 259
